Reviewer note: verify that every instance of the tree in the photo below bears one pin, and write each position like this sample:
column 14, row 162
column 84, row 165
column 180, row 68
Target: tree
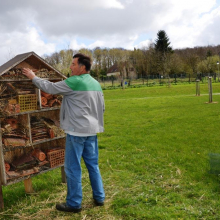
column 138, row 59
column 162, row 43
column 191, row 60
column 122, row 57
column 157, row 58
column 97, row 60
column 176, row 65
column 61, row 60
column 163, row 51
column 209, row 62
column 85, row 51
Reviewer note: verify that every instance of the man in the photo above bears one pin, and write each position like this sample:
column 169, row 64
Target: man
column 81, row 117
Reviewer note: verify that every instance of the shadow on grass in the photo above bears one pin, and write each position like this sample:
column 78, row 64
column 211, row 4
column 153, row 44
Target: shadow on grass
column 44, row 185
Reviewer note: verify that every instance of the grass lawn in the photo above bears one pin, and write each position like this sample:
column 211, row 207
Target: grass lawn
column 154, row 160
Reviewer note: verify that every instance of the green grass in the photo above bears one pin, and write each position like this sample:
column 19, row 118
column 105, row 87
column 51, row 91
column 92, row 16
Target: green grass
column 153, row 159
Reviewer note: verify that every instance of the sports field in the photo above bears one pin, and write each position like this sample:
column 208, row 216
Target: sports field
column 154, row 160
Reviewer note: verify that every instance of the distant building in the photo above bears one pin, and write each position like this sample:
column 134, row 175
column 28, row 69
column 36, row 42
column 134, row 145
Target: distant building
column 128, row 71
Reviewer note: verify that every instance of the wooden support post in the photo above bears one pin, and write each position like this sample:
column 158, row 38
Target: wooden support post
column 28, row 185
column 1, row 176
column 1, row 197
column 63, row 175
column 197, row 87
column 210, row 89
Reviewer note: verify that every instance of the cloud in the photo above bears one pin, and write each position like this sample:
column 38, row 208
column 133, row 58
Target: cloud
column 143, row 44
column 112, row 4
column 47, row 26
column 75, row 45
column 22, row 42
column 186, row 22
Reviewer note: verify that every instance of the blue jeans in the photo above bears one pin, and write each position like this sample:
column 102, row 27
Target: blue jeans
column 86, row 147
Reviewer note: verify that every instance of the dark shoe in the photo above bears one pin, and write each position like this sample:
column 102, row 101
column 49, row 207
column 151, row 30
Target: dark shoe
column 63, row 207
column 98, row 203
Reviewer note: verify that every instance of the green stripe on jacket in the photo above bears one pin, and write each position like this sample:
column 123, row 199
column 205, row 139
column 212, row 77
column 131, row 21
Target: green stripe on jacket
column 83, row 82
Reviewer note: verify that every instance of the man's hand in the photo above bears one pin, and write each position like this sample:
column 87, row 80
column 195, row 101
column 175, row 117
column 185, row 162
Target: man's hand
column 28, row 72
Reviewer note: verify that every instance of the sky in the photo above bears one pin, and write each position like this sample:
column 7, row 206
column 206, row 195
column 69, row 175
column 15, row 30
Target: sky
column 48, row 26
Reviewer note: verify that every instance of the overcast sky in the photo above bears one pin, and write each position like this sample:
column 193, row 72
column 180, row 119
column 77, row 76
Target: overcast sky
column 47, row 26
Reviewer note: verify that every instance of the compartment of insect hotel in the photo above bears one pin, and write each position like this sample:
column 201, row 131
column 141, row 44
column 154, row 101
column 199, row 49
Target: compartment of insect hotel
column 45, row 125
column 49, row 100
column 29, row 161
column 15, row 132
column 16, row 97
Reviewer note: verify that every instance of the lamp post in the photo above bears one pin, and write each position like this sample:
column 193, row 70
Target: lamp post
column 218, row 69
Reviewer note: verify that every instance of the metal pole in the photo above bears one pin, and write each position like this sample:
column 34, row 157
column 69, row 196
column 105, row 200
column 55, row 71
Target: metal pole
column 210, row 89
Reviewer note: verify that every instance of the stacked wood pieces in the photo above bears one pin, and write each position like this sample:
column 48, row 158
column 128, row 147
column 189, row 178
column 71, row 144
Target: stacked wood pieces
column 34, row 162
column 45, row 73
column 15, row 73
column 53, row 128
column 14, row 134
column 24, row 162
column 12, row 107
column 16, row 88
column 39, row 130
column 48, row 100
column 44, row 128
column 24, row 88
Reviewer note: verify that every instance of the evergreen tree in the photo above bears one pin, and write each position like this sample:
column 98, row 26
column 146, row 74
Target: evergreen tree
column 162, row 42
column 163, row 50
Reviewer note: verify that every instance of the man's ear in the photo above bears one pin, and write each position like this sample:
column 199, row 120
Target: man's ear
column 83, row 68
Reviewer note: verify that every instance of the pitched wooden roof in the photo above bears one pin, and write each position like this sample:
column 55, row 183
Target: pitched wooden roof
column 32, row 58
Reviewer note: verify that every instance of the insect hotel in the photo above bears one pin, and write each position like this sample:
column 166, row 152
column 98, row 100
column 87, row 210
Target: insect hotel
column 31, row 141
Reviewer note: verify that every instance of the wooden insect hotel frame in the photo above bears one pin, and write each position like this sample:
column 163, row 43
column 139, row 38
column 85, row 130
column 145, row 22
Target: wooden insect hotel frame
column 31, row 141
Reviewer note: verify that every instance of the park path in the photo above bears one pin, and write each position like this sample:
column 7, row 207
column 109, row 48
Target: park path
column 153, row 97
